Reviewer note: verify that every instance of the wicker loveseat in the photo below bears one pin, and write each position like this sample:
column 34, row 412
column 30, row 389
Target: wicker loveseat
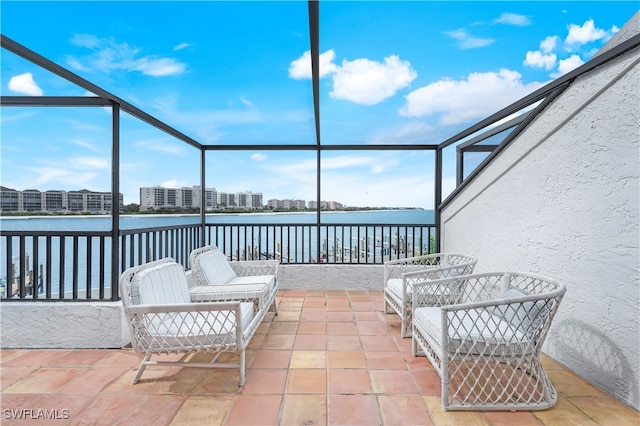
column 162, row 319
column 486, row 347
column 400, row 276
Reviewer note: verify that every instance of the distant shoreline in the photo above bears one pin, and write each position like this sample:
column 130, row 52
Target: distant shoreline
column 94, row 216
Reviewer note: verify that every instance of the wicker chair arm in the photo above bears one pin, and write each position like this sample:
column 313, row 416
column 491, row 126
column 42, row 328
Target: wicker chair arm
column 244, row 268
column 182, row 307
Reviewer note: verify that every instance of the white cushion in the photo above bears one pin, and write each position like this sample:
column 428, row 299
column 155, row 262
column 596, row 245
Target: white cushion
column 192, row 324
column 216, row 267
column 165, row 284
column 525, row 315
column 479, row 325
column 269, row 280
column 395, row 286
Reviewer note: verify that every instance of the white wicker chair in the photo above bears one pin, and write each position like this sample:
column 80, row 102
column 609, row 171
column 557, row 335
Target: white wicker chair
column 251, row 280
column 400, row 276
column 486, row 347
column 162, row 319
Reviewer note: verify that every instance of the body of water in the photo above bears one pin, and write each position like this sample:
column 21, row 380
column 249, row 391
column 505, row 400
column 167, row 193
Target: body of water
column 345, row 237
column 103, row 223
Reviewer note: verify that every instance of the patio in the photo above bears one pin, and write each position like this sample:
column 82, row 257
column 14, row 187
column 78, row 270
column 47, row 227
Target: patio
column 329, row 357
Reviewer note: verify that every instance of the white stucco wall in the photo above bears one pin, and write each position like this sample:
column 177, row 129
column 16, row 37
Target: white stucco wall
column 62, row 325
column 563, row 200
column 330, row 277
column 102, row 325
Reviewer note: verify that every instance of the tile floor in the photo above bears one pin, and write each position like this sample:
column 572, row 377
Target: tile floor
column 328, row 358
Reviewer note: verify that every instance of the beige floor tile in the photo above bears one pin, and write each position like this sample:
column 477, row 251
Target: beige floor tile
column 203, row 410
column 106, row 409
column 12, row 375
column 165, row 408
column 304, row 381
column 283, row 328
column 403, row 410
column 353, row 410
column 452, row 418
column 605, row 411
column 287, row 316
column 312, row 327
column 310, row 342
column 265, row 382
column 304, row 410
column 347, row 359
column 385, row 361
column 278, row 341
column 349, row 381
column 393, row 382
column 255, row 410
column 565, row 414
column 308, row 359
column 268, row 358
column 43, row 381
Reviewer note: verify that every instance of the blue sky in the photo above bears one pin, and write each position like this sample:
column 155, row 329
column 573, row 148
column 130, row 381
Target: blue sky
column 238, row 73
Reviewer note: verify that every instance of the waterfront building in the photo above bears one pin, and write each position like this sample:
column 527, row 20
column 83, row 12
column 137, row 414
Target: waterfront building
column 286, row 204
column 55, row 201
column 158, row 197
column 325, row 205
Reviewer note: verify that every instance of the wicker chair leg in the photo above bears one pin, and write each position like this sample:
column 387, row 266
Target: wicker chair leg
column 143, row 365
column 242, row 368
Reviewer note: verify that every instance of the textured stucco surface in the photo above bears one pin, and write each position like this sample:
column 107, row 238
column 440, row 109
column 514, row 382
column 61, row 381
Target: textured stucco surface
column 330, row 277
column 563, row 200
column 102, row 325
column 63, row 325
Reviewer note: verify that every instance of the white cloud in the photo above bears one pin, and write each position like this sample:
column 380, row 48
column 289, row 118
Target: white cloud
column 85, row 144
column 175, row 183
column 258, row 157
column 25, row 84
column 548, row 44
column 539, row 60
column 368, row 82
column 181, row 46
column 466, row 41
column 109, row 55
column 361, row 81
column 513, row 19
column 161, row 146
column 158, row 67
column 569, row 64
column 301, row 67
column 461, row 101
column 51, row 177
column 91, row 163
column 246, row 102
column 584, row 34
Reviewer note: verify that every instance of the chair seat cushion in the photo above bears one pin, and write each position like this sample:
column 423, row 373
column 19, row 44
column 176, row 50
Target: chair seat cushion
column 175, row 331
column 471, row 331
column 395, row 286
column 269, row 280
column 440, row 295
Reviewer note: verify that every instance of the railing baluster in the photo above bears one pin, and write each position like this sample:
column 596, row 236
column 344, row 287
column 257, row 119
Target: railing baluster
column 290, row 243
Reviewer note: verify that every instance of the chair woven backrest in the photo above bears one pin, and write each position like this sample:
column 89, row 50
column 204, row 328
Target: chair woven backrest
column 164, row 284
column 131, row 296
column 210, row 266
